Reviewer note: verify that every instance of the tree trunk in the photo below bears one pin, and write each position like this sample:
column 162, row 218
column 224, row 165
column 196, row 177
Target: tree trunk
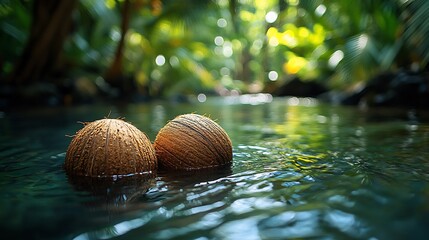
column 114, row 74
column 51, row 22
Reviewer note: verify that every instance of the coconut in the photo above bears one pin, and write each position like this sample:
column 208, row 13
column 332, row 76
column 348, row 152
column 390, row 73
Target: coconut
column 191, row 142
column 109, row 147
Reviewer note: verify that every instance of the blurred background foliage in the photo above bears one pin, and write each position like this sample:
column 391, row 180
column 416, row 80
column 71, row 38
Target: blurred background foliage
column 167, row 48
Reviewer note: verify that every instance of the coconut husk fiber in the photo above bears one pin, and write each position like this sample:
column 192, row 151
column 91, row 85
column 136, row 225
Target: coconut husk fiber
column 191, row 142
column 109, row 147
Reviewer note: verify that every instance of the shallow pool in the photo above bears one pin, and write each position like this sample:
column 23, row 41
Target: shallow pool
column 301, row 170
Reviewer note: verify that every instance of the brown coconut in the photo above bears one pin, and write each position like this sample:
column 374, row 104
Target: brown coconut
column 109, row 147
column 191, row 142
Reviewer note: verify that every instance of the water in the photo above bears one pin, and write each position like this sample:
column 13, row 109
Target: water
column 301, row 170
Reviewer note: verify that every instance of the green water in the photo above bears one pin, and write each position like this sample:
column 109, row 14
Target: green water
column 301, row 170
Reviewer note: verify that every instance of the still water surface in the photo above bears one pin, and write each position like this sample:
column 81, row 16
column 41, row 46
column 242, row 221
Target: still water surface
column 301, row 170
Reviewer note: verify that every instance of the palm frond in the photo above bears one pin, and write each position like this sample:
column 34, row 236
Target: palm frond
column 417, row 27
column 360, row 53
column 185, row 12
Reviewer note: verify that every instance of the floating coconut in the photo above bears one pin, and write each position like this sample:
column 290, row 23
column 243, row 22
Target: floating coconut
column 192, row 141
column 109, row 147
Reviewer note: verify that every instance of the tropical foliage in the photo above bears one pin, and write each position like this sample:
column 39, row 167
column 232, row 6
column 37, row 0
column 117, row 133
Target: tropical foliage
column 167, row 47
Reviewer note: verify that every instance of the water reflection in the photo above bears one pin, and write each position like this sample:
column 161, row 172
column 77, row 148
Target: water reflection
column 113, row 192
column 187, row 194
column 181, row 179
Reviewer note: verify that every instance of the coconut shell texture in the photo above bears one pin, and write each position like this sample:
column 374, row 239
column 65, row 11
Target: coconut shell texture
column 192, row 142
column 109, row 147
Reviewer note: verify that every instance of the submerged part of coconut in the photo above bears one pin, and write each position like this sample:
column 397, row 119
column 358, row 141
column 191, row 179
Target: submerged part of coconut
column 109, row 147
column 192, row 141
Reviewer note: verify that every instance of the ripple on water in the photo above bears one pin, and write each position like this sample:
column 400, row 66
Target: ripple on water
column 291, row 224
